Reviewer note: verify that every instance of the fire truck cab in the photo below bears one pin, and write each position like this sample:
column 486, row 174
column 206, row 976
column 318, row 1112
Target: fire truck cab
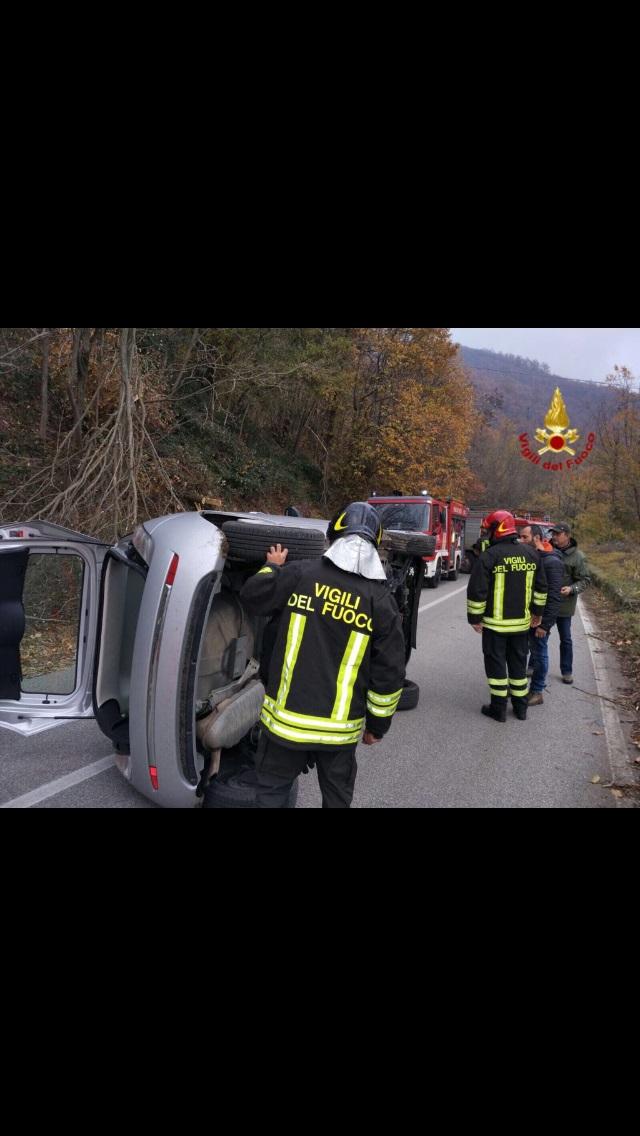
column 443, row 518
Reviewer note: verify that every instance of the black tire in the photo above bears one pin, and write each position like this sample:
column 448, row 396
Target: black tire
column 252, row 542
column 453, row 574
column 434, row 582
column 410, row 696
column 415, row 544
column 238, row 791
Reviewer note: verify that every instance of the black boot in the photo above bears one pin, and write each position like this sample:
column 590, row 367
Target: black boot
column 520, row 707
column 498, row 713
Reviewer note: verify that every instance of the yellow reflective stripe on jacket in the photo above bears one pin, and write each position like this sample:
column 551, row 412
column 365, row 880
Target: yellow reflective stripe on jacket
column 529, row 596
column 476, row 608
column 383, row 705
column 308, row 722
column 379, row 713
column 384, row 699
column 265, row 570
column 347, row 675
column 498, row 598
column 294, row 640
column 308, row 737
column 508, row 624
column 540, row 599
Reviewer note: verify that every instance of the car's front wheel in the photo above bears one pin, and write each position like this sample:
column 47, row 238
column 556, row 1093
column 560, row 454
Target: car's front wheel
column 434, row 581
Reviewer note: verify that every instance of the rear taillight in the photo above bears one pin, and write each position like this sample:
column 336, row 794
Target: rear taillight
column 153, row 774
column 173, row 568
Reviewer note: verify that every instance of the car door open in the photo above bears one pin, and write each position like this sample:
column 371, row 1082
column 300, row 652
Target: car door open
column 48, row 602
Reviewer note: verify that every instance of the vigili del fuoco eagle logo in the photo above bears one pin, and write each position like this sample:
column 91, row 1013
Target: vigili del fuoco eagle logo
column 556, row 438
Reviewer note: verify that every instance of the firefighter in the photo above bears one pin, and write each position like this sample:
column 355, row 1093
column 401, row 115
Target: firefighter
column 507, row 595
column 338, row 662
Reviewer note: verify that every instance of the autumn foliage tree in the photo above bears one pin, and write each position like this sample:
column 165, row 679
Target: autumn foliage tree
column 136, row 421
column 408, row 420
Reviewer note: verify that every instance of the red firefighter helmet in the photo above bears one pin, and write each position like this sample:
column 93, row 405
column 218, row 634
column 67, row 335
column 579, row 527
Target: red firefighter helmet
column 499, row 524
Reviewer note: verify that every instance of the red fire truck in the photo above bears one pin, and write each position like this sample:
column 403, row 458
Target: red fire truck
column 443, row 518
column 478, row 512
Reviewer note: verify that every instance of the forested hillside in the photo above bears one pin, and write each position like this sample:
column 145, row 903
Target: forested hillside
column 101, row 427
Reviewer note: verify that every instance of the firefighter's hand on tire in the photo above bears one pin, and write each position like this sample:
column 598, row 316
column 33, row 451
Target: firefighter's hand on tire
column 277, row 555
column 478, row 627
column 369, row 739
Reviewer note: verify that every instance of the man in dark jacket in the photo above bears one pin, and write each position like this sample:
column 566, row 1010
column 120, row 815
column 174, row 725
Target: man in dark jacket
column 338, row 662
column 539, row 639
column 576, row 581
column 507, row 595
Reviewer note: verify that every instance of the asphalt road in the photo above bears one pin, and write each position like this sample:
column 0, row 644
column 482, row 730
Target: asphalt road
column 446, row 755
column 442, row 755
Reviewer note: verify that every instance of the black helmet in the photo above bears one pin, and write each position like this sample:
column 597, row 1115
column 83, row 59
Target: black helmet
column 358, row 519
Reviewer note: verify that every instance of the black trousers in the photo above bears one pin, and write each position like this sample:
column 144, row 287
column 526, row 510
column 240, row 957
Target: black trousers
column 277, row 768
column 505, row 663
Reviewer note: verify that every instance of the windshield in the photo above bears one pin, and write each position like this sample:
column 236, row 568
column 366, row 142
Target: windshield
column 408, row 518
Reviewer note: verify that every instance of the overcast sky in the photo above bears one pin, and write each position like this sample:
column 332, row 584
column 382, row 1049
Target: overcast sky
column 573, row 352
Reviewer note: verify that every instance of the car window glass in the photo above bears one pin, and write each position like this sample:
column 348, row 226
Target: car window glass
column 407, row 518
column 53, row 604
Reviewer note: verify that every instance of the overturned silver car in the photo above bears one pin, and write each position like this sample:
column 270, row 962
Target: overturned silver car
column 150, row 638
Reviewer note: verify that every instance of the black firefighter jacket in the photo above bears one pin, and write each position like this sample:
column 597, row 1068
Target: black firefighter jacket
column 508, row 585
column 338, row 663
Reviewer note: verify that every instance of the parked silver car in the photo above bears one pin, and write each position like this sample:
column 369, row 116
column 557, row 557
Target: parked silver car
column 150, row 638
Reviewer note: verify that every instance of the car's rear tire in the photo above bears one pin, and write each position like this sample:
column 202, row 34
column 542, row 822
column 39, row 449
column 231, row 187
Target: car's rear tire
column 251, row 542
column 434, row 581
column 239, row 791
column 410, row 696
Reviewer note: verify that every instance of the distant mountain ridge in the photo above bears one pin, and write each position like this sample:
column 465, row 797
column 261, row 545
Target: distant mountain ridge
column 521, row 389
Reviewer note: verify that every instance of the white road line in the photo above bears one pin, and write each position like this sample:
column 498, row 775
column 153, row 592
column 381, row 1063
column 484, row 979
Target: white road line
column 54, row 787
column 614, row 736
column 443, row 599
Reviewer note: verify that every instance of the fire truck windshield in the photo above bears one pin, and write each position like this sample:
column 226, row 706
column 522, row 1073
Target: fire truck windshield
column 407, row 518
